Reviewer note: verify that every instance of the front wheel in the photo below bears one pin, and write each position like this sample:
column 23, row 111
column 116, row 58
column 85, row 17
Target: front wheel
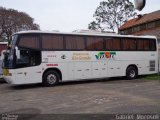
column 51, row 78
column 131, row 73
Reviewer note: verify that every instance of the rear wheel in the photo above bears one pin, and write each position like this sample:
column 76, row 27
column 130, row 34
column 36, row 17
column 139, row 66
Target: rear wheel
column 51, row 78
column 131, row 73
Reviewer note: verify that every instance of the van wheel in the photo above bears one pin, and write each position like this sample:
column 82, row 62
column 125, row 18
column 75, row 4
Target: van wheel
column 51, row 78
column 131, row 73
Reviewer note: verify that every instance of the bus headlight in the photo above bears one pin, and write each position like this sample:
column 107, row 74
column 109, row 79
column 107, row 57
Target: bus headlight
column 6, row 72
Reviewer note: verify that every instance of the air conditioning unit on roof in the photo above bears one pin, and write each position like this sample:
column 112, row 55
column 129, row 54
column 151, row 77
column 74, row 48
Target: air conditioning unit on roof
column 87, row 31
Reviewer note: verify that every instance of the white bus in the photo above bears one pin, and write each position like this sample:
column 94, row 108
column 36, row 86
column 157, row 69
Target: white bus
column 36, row 56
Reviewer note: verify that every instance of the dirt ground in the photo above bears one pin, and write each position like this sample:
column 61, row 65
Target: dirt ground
column 107, row 96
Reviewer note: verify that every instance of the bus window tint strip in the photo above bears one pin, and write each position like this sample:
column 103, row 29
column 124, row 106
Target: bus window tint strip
column 90, row 43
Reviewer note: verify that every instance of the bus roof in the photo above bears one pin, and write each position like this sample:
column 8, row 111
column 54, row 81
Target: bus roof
column 83, row 33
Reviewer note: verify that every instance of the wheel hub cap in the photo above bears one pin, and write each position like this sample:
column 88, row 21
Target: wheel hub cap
column 51, row 79
column 132, row 74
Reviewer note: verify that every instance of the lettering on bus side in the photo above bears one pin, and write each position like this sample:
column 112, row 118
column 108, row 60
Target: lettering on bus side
column 105, row 55
column 81, row 56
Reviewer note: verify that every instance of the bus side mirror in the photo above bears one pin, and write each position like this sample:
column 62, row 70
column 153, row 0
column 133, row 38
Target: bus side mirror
column 17, row 52
column 3, row 52
column 139, row 4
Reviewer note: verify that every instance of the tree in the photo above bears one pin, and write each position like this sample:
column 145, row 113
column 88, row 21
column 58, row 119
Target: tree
column 12, row 21
column 111, row 14
column 93, row 25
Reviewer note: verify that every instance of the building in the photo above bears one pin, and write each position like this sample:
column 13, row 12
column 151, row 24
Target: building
column 147, row 24
column 3, row 44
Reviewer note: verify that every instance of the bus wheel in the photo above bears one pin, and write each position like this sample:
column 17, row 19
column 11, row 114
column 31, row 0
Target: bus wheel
column 131, row 73
column 51, row 78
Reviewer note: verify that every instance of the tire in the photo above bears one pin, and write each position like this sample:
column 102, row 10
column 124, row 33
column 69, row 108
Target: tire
column 131, row 73
column 51, row 78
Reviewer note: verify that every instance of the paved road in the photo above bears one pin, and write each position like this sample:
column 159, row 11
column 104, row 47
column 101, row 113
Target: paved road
column 96, row 97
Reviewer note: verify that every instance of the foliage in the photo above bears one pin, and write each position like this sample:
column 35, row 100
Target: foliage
column 93, row 25
column 111, row 14
column 12, row 21
column 151, row 77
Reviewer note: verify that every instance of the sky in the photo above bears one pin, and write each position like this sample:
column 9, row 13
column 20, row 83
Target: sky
column 65, row 15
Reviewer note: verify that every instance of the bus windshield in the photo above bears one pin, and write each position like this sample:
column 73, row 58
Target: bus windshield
column 9, row 56
column 19, row 57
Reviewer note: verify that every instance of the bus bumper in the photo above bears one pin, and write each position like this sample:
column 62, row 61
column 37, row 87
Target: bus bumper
column 8, row 76
column 8, row 79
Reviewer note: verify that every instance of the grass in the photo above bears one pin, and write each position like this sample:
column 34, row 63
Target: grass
column 151, row 77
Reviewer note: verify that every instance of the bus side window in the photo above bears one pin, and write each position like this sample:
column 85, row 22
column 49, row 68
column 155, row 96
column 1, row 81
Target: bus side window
column 128, row 44
column 140, row 45
column 29, row 58
column 35, row 58
column 116, row 44
column 95, row 43
column 29, row 41
column 113, row 44
column 108, row 43
column 75, row 43
column 152, row 45
column 52, row 42
column 146, row 45
column 24, row 59
column 32, row 61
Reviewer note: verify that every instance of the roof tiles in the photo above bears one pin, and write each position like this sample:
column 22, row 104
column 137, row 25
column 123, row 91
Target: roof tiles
column 141, row 19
